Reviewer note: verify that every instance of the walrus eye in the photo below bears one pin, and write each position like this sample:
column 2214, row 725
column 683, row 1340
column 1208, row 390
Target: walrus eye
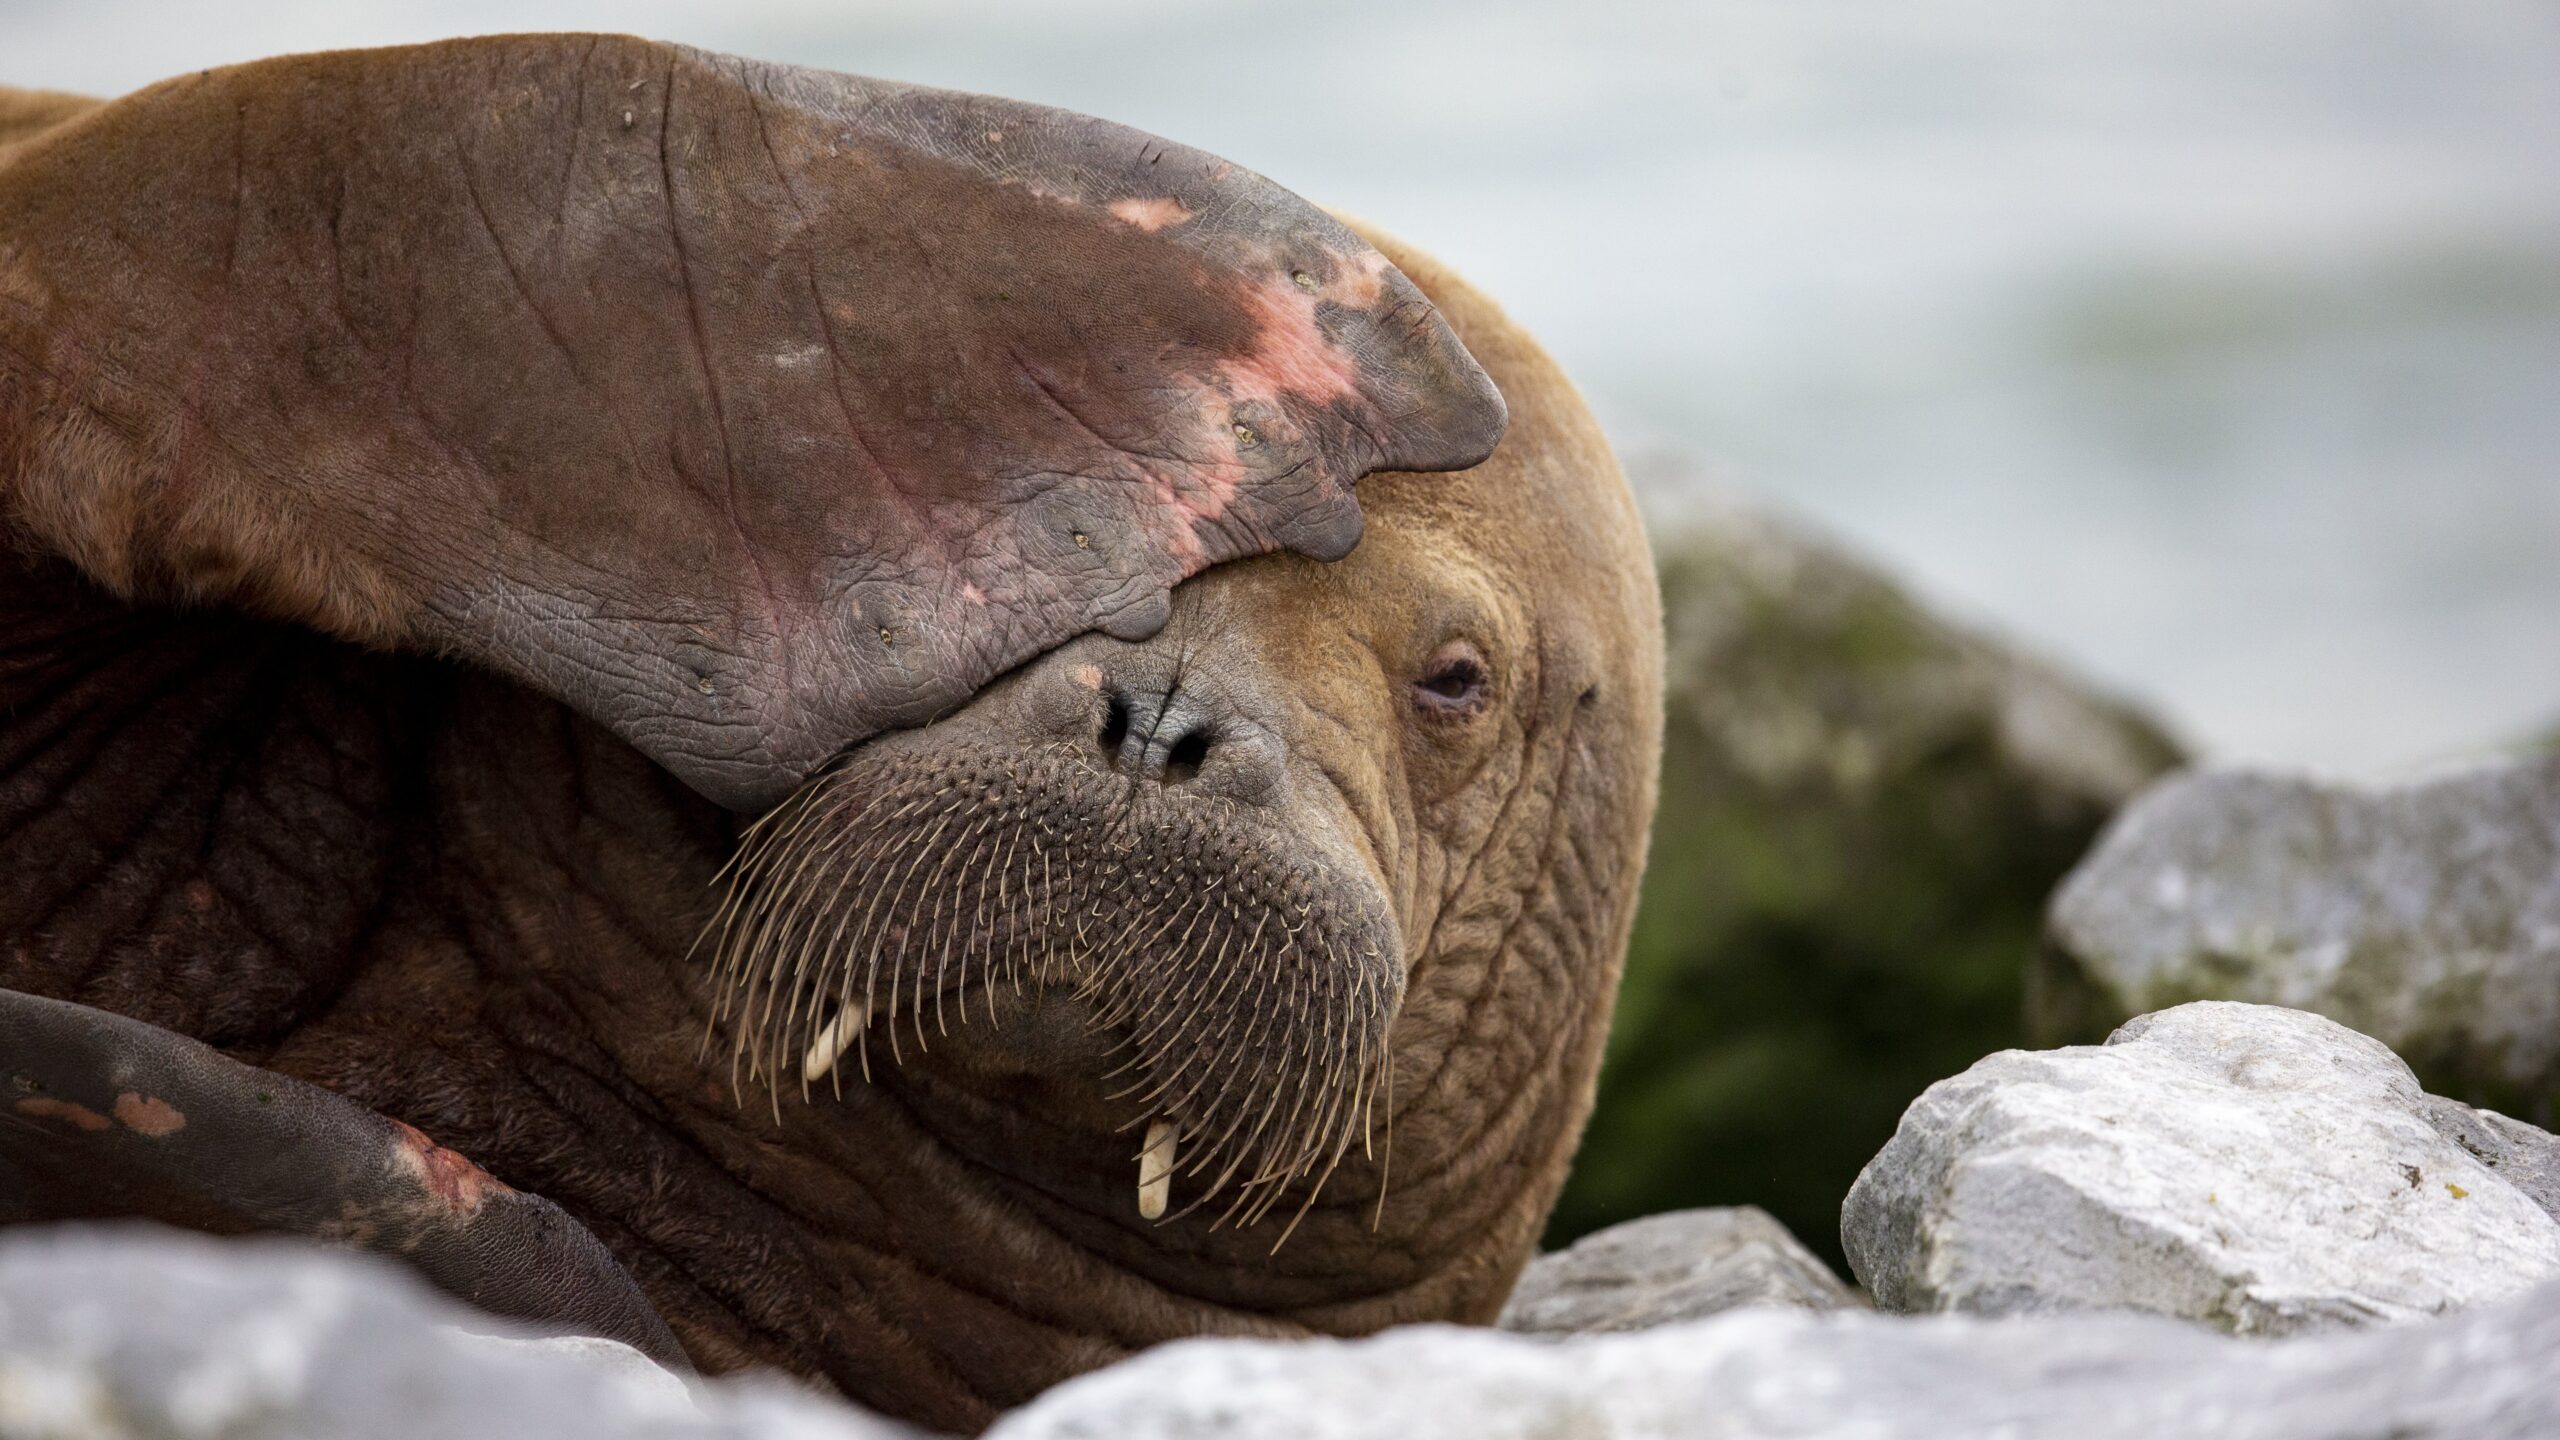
column 1455, row 681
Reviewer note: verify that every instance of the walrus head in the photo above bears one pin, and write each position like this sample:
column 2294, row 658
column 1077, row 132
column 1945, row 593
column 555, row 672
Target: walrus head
column 1305, row 910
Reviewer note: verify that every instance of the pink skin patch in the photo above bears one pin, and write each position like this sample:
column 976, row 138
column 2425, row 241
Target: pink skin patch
column 1151, row 215
column 149, row 1116
column 1357, row 280
column 971, row 593
column 1291, row 356
column 1191, row 496
column 45, row 1107
column 1291, row 360
column 446, row 1174
column 1088, row 676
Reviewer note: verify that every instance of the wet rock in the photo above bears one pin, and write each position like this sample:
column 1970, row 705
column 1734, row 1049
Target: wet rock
column 2261, row 1170
column 131, row 1333
column 1763, row 1374
column 1667, row 1268
column 1864, row 810
column 2426, row 916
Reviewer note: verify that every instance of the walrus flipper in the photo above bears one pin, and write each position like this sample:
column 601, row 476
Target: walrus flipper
column 750, row 410
column 102, row 1116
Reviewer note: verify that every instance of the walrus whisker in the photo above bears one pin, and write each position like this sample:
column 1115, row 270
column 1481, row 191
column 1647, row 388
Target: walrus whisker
column 943, row 929
column 1225, row 1144
column 839, row 966
column 1213, row 977
column 790, row 894
column 808, row 947
column 1181, row 1001
column 1198, row 906
column 897, row 976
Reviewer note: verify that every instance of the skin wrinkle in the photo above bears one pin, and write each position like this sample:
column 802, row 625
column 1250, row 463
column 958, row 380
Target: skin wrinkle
column 118, row 846
column 1458, row 878
column 577, row 137
column 660, row 1177
column 747, row 549
column 515, row 277
column 1517, row 795
column 795, row 707
column 1491, row 978
column 888, row 479
column 957, row 1233
column 1049, row 392
column 104, row 735
column 185, row 462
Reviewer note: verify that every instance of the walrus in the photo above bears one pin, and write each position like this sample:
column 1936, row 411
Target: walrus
column 755, row 711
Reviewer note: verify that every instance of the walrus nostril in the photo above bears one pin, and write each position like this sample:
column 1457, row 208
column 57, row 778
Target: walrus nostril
column 1115, row 728
column 1183, row 761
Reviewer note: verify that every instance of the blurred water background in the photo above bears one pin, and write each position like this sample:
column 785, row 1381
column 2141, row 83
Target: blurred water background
column 2212, row 346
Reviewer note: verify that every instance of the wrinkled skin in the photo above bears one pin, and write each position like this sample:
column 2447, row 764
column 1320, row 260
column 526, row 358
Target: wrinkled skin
column 470, row 902
column 749, row 410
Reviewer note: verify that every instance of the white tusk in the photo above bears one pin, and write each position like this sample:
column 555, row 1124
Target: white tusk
column 829, row 1046
column 1155, row 1170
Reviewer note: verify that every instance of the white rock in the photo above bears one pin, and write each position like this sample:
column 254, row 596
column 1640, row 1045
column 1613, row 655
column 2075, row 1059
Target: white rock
column 2262, row 1170
column 134, row 1333
column 1665, row 1268
column 1777, row 1374
column 2426, row 916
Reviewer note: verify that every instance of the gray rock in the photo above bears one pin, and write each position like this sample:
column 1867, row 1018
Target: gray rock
column 129, row 1333
column 2427, row 916
column 1865, row 807
column 1769, row 1373
column 1665, row 1268
column 2265, row 1171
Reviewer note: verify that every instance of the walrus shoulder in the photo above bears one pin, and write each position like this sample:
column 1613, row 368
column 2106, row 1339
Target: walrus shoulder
column 25, row 114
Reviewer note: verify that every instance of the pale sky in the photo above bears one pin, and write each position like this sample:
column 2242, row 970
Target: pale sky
column 2209, row 346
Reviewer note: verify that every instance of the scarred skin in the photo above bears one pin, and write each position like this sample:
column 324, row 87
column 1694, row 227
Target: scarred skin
column 472, row 906
column 750, row 410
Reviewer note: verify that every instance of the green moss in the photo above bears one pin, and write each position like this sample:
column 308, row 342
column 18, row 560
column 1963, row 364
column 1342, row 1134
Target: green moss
column 1817, row 941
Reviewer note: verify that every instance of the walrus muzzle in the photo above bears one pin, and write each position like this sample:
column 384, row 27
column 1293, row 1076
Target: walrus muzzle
column 1234, row 976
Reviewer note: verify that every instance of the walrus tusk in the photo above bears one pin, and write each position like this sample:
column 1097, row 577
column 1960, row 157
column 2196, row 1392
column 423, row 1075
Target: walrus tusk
column 1155, row 1170
column 828, row 1047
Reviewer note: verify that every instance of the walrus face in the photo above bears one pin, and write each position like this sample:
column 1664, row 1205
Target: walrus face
column 1137, row 930
column 1119, row 901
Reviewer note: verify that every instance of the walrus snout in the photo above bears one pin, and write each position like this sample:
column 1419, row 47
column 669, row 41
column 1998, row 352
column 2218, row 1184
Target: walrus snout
column 1145, row 713
column 1107, row 885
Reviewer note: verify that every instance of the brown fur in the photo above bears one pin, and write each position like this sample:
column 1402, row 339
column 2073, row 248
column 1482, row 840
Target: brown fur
column 461, row 903
column 24, row 113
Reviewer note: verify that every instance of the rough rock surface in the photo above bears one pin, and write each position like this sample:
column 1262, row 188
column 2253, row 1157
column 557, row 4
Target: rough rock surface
column 1686, row 1265
column 1771, row 1373
column 1864, row 810
column 2426, row 916
column 2262, row 1170
column 129, row 1333
column 146, row 1335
